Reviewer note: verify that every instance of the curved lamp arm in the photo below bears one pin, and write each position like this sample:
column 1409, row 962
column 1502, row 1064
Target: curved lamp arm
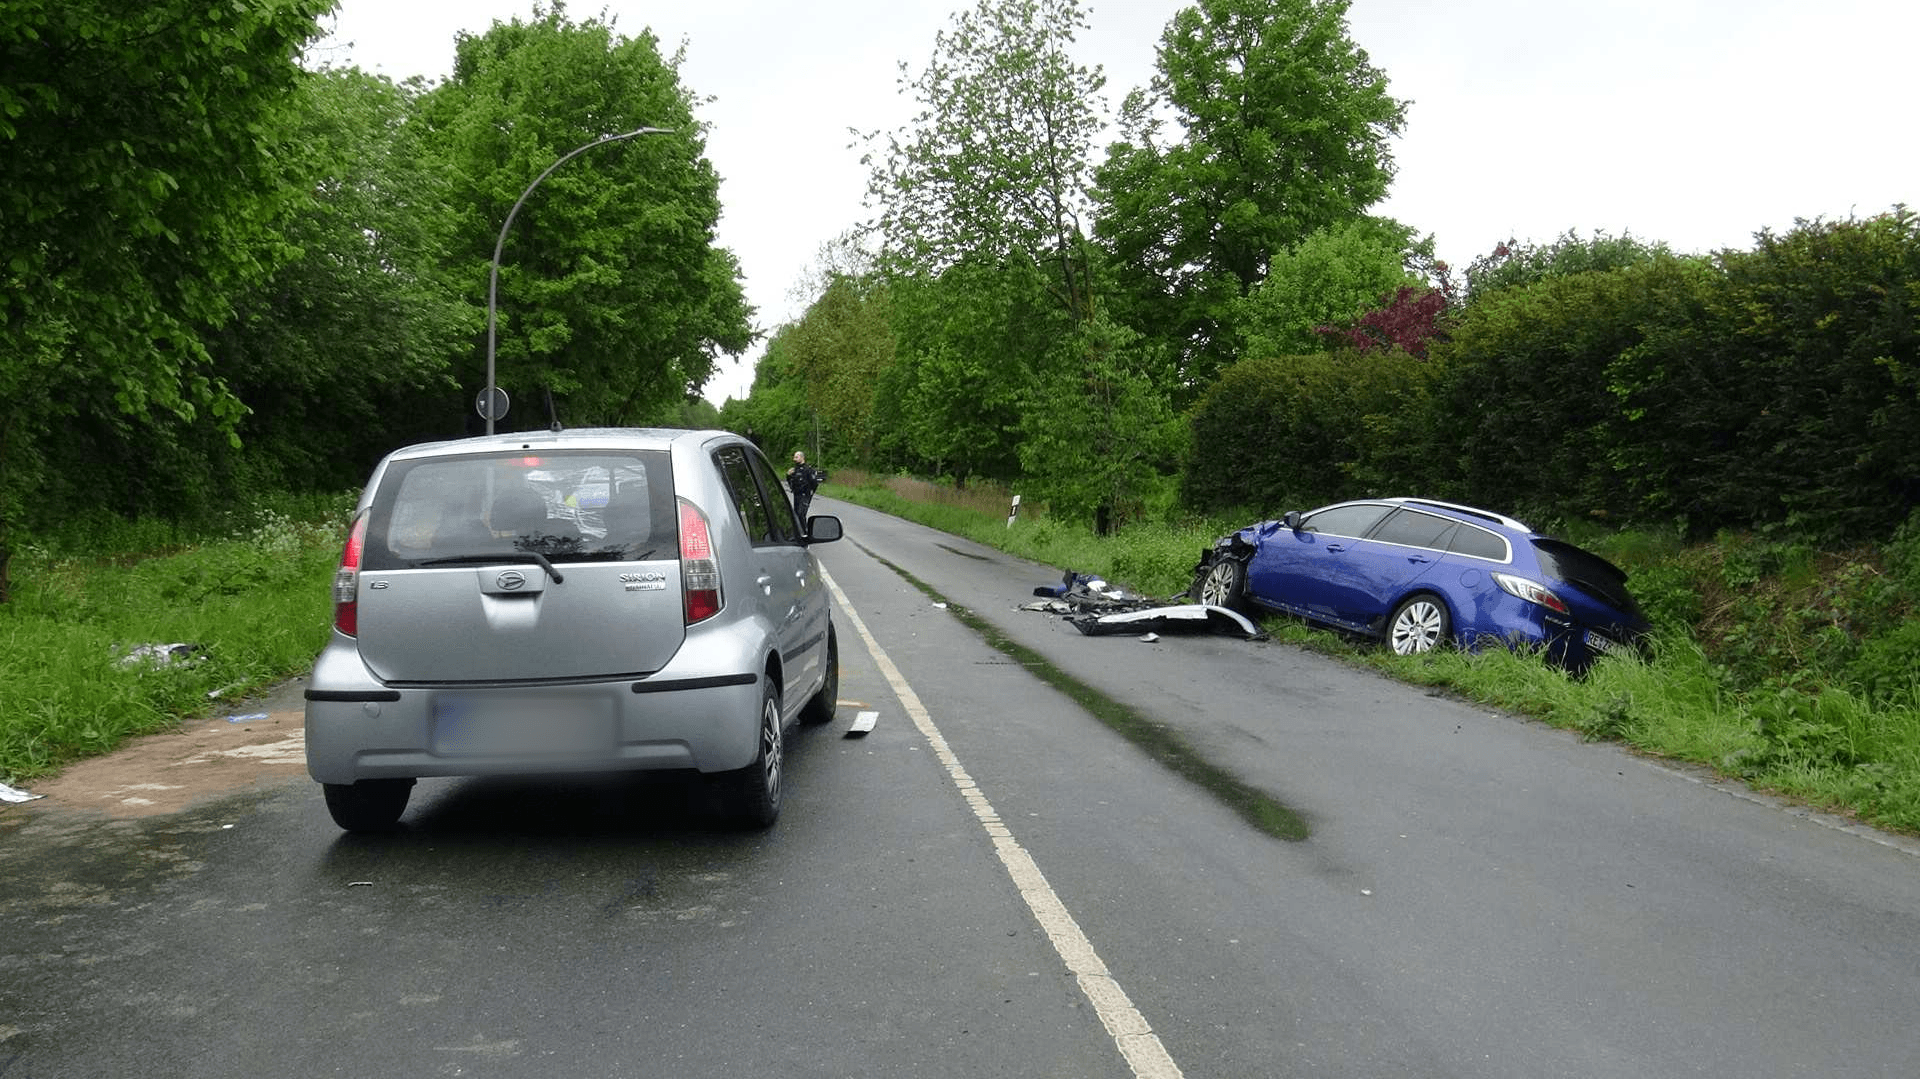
column 493, row 274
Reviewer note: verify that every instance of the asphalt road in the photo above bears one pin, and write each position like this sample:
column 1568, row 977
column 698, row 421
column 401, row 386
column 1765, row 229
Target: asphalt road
column 1480, row 895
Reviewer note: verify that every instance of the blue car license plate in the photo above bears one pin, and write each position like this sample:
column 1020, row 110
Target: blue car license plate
column 522, row 726
column 1601, row 643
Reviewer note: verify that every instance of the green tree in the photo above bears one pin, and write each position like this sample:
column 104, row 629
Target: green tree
column 1327, row 279
column 1514, row 262
column 613, row 294
column 140, row 192
column 774, row 414
column 358, row 334
column 969, row 344
column 1095, row 436
column 995, row 165
column 1282, row 129
column 694, row 413
column 839, row 349
column 984, row 200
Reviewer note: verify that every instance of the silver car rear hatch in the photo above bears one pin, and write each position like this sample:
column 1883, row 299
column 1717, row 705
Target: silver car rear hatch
column 522, row 567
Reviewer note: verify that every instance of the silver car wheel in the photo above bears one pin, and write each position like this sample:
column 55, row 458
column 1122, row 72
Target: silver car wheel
column 1417, row 626
column 771, row 746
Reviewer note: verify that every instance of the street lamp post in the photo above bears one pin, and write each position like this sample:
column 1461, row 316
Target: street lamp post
column 493, row 274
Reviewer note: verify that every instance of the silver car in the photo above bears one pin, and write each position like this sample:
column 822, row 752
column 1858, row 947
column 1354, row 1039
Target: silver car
column 577, row 600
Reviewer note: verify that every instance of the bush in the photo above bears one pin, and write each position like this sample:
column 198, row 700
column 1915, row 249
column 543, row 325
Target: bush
column 1525, row 419
column 1290, row 432
column 1788, row 395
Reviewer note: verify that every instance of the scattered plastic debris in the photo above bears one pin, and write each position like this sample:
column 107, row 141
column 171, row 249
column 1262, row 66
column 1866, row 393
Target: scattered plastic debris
column 215, row 695
column 351, row 884
column 1170, row 619
column 179, row 652
column 14, row 794
column 1094, row 607
column 246, row 718
column 863, row 722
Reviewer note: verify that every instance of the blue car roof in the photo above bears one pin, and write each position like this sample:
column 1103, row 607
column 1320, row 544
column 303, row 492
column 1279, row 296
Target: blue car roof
column 1462, row 512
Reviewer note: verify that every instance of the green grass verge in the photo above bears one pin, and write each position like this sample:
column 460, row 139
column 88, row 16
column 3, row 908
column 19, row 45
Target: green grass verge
column 1748, row 708
column 256, row 603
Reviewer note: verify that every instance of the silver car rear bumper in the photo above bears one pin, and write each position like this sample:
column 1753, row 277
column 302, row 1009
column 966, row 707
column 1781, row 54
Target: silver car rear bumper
column 358, row 728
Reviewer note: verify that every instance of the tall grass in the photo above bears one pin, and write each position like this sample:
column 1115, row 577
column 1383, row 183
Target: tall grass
column 253, row 603
column 1751, row 677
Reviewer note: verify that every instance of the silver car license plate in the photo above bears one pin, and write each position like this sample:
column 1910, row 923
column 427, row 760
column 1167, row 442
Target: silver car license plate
column 522, row 726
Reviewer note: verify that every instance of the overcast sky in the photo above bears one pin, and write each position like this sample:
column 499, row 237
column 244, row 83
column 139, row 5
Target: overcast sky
column 1693, row 122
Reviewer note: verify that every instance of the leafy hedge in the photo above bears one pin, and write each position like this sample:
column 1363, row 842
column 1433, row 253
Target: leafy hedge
column 1286, row 432
column 1776, row 387
column 1790, row 395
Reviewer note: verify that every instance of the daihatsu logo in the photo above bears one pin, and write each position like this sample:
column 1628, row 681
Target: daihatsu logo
column 510, row 580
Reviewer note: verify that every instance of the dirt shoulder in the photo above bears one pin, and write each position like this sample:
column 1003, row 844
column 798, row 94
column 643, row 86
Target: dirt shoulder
column 249, row 745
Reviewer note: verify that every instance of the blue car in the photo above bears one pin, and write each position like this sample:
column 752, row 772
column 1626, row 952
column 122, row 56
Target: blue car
column 1415, row 573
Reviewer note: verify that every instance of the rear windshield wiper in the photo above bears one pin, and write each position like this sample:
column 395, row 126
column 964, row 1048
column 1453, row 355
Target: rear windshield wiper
column 502, row 557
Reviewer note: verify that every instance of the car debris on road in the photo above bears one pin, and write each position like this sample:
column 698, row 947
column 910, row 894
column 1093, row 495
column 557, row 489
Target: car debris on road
column 1096, row 608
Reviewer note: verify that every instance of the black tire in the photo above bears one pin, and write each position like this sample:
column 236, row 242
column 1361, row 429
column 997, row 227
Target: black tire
column 1419, row 624
column 820, row 707
column 369, row 806
column 753, row 793
column 1223, row 583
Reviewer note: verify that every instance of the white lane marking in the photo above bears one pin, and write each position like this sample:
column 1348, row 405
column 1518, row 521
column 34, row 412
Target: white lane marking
column 1131, row 1034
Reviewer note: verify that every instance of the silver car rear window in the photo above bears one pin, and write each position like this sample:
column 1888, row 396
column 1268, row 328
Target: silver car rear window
column 570, row 506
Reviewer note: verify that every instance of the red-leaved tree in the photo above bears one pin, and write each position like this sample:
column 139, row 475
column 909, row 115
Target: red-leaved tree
column 1408, row 319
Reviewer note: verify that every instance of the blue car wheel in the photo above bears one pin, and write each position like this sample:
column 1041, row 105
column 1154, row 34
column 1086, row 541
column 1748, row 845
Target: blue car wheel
column 1417, row 625
column 1224, row 584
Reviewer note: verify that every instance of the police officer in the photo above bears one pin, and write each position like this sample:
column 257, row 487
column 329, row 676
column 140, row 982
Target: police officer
column 802, row 480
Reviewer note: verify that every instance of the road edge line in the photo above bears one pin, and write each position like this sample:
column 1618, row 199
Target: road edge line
column 1131, row 1034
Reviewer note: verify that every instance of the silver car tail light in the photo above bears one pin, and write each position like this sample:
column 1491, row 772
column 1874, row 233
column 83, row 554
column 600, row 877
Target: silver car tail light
column 699, row 573
column 346, row 580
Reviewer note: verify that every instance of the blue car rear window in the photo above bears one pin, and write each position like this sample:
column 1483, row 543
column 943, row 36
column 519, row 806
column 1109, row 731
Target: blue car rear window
column 1582, row 568
column 1478, row 542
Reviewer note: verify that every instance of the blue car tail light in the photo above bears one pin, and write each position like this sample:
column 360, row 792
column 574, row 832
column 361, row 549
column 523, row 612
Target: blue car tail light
column 1531, row 591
